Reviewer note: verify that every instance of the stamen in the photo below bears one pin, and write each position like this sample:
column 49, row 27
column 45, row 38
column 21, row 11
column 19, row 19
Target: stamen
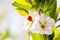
column 42, row 26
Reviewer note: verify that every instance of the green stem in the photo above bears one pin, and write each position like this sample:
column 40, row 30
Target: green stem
column 28, row 35
column 45, row 37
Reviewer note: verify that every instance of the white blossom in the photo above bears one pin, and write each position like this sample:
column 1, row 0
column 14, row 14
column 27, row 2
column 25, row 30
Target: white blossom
column 43, row 25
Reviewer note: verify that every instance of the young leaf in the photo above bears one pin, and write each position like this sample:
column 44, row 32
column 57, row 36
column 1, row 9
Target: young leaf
column 22, row 9
column 36, row 36
column 17, row 5
column 22, row 12
column 23, row 2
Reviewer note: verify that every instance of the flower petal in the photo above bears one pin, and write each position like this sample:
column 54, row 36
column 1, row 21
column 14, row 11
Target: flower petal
column 41, row 31
column 34, row 14
column 50, row 22
column 35, row 27
column 48, row 31
column 43, row 18
column 27, row 24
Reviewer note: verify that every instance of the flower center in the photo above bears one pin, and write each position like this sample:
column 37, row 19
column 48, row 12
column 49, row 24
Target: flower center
column 42, row 26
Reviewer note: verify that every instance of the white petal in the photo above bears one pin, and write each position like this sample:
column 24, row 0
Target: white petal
column 35, row 27
column 43, row 18
column 48, row 31
column 36, row 18
column 41, row 31
column 34, row 14
column 26, row 24
column 50, row 22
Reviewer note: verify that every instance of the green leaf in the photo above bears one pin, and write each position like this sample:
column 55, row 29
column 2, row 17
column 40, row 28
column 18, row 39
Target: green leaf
column 22, row 9
column 36, row 36
column 50, row 3
column 29, row 1
column 57, row 13
column 48, row 7
column 20, row 6
column 38, row 4
column 51, row 11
